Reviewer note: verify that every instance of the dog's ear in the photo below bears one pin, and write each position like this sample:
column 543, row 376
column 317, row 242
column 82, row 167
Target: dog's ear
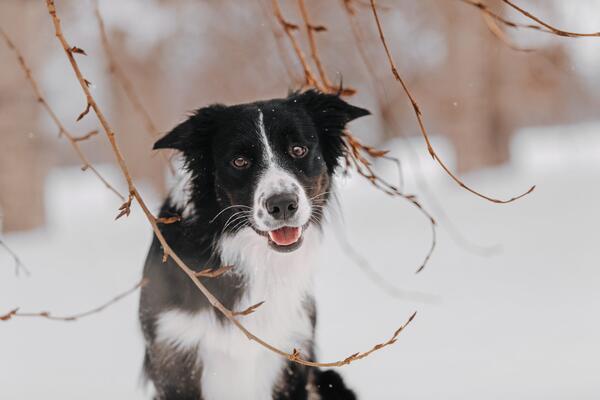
column 193, row 132
column 328, row 110
column 330, row 114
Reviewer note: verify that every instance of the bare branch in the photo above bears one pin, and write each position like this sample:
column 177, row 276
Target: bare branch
column 248, row 310
column 168, row 220
column 541, row 26
column 116, row 70
column 379, row 89
column 376, row 278
column 168, row 251
column 355, row 157
column 310, row 80
column 74, row 317
column 86, row 136
column 17, row 260
column 214, row 273
column 62, row 130
column 9, row 315
column 310, row 32
column 295, row 356
column 277, row 35
column 495, row 29
column 419, row 116
column 550, row 28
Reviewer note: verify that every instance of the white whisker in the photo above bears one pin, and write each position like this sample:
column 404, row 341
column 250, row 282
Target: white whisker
column 225, row 209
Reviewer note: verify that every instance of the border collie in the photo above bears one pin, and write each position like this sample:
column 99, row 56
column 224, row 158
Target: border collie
column 258, row 177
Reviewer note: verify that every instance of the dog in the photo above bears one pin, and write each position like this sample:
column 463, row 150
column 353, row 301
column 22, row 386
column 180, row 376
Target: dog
column 257, row 180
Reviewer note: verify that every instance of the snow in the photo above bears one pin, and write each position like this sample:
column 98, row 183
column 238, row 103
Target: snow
column 523, row 323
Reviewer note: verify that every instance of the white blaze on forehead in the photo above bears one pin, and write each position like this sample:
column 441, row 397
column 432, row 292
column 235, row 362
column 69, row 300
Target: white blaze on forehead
column 269, row 156
column 274, row 180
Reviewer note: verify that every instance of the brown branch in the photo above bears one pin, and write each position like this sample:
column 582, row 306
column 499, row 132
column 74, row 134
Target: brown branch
column 125, row 208
column 277, row 35
column 376, row 278
column 168, row 251
column 295, row 356
column 74, row 317
column 9, row 315
column 550, row 28
column 314, row 53
column 516, row 25
column 541, row 26
column 86, row 136
column 213, row 273
column 310, row 80
column 358, row 35
column 169, row 220
column 356, row 157
column 19, row 265
column 455, row 234
column 61, row 128
column 310, row 33
column 495, row 29
column 248, row 310
column 421, row 123
column 127, row 86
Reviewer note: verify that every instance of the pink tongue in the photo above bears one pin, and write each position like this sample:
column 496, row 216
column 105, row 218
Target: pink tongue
column 285, row 236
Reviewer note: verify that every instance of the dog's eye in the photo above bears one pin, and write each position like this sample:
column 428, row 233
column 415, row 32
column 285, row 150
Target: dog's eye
column 298, row 151
column 240, row 163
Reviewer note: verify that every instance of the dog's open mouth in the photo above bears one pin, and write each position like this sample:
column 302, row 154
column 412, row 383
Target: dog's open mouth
column 286, row 239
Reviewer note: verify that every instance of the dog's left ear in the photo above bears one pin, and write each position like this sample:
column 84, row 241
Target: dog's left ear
column 192, row 133
column 330, row 114
column 328, row 110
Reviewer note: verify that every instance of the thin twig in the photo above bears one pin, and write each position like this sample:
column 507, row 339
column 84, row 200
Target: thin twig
column 19, row 265
column 74, row 317
column 127, row 86
column 86, row 136
column 296, row 355
column 375, row 277
column 310, row 33
column 310, row 80
column 355, row 154
column 495, row 29
column 214, row 272
column 62, row 131
column 541, row 26
column 512, row 24
column 358, row 35
column 546, row 25
column 277, row 35
column 455, row 234
column 167, row 250
column 311, row 29
column 249, row 310
column 419, row 116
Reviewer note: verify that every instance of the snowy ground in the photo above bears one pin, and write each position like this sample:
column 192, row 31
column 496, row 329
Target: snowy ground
column 523, row 323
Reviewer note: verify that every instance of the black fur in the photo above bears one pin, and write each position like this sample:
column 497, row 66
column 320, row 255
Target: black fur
column 208, row 140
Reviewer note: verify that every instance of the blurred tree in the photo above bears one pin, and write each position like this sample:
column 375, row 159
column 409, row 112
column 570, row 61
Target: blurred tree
column 24, row 159
column 181, row 55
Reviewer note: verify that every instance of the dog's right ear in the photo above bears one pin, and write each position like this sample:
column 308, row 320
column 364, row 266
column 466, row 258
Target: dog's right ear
column 193, row 132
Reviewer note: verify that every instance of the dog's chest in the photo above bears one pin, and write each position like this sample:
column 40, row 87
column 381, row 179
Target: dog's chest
column 233, row 367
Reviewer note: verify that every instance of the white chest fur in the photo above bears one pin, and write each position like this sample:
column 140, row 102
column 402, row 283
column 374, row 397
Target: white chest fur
column 232, row 366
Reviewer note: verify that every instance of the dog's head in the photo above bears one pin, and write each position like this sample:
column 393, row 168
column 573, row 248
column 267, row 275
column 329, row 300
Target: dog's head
column 265, row 165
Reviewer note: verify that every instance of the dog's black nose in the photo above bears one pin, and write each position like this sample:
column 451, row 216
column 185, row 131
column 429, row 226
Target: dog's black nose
column 282, row 206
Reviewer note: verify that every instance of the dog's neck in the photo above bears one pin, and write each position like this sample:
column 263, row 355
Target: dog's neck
column 268, row 273
column 283, row 281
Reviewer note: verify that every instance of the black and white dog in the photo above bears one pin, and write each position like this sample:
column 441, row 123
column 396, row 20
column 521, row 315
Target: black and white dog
column 259, row 176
